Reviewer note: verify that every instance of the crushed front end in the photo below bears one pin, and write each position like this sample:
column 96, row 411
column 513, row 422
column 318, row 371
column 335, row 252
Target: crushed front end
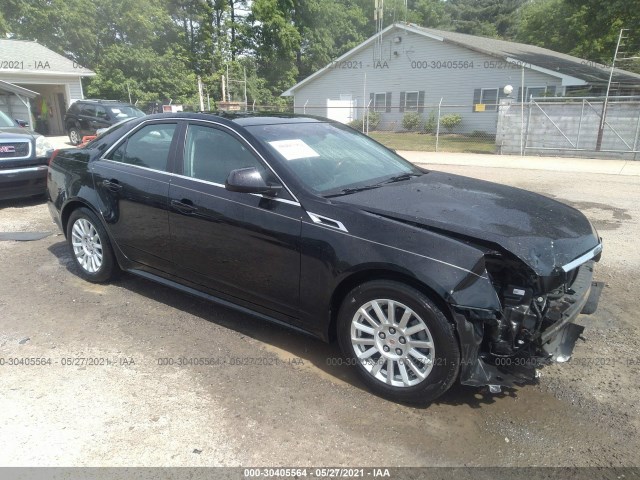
column 531, row 322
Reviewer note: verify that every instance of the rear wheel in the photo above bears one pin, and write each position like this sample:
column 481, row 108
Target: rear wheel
column 90, row 247
column 74, row 136
column 403, row 347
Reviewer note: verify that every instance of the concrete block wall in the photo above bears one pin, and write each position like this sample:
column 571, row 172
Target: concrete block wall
column 570, row 129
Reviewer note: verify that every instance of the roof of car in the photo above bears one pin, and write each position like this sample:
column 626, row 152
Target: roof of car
column 108, row 102
column 246, row 119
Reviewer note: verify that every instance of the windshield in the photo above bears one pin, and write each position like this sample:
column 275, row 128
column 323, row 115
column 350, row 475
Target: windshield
column 330, row 158
column 122, row 112
column 6, row 121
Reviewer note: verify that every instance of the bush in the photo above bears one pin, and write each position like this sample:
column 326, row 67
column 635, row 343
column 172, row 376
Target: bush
column 431, row 124
column 479, row 134
column 451, row 121
column 356, row 124
column 412, row 121
column 374, row 121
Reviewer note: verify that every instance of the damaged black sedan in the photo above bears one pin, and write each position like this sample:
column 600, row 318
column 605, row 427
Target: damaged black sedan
column 424, row 278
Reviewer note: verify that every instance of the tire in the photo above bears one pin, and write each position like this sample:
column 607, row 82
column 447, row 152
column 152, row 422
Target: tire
column 420, row 340
column 74, row 136
column 90, row 247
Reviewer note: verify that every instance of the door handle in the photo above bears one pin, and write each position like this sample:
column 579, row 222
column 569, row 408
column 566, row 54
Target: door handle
column 112, row 185
column 184, row 205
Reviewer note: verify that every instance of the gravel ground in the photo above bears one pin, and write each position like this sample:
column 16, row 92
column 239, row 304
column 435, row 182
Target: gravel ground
column 294, row 407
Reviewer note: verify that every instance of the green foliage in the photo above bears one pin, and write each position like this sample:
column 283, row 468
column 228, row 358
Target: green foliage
column 451, row 121
column 587, row 29
column 144, row 73
column 159, row 47
column 412, row 121
column 431, row 124
column 373, row 119
column 489, row 18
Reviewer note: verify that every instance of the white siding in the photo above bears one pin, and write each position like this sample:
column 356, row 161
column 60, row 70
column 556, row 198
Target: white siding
column 392, row 66
column 13, row 107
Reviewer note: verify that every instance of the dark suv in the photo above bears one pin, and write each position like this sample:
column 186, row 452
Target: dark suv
column 85, row 117
column 23, row 159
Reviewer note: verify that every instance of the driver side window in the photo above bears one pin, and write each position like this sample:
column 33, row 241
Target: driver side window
column 210, row 154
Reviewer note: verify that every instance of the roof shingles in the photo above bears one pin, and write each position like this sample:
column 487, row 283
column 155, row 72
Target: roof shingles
column 30, row 57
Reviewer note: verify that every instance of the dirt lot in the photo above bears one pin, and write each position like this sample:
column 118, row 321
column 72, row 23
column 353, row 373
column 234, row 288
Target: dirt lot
column 292, row 407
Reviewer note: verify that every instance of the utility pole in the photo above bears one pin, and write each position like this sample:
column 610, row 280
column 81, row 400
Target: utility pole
column 603, row 117
column 200, row 94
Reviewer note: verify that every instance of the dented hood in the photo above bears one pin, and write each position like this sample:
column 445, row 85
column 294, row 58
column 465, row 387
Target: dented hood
column 542, row 232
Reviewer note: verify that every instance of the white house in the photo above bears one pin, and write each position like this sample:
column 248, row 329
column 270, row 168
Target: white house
column 407, row 68
column 38, row 85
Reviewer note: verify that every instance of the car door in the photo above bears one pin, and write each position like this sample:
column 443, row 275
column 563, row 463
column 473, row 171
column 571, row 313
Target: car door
column 86, row 115
column 243, row 245
column 132, row 182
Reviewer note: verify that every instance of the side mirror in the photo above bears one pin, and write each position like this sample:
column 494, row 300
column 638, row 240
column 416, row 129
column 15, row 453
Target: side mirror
column 249, row 180
column 22, row 123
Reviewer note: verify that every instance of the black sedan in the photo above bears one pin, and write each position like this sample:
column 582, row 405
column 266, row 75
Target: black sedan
column 424, row 278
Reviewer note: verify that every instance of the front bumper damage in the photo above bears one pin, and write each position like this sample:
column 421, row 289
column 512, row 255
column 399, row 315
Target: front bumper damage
column 554, row 343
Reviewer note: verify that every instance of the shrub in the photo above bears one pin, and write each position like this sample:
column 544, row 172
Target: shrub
column 431, row 124
column 374, row 121
column 357, row 124
column 479, row 134
column 451, row 121
column 412, row 121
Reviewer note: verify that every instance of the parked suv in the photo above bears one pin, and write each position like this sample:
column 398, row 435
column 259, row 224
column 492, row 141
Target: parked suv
column 85, row 117
column 23, row 159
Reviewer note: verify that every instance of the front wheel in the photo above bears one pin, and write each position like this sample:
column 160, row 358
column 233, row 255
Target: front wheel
column 90, row 247
column 402, row 345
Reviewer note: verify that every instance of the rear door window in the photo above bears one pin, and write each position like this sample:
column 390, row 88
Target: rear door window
column 149, row 147
column 88, row 110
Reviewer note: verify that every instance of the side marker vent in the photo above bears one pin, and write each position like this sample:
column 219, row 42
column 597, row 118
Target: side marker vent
column 327, row 222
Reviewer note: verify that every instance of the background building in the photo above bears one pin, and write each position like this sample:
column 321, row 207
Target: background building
column 56, row 80
column 407, row 68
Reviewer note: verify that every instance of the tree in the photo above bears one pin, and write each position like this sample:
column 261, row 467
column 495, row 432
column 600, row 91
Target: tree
column 488, row 18
column 276, row 41
column 587, row 29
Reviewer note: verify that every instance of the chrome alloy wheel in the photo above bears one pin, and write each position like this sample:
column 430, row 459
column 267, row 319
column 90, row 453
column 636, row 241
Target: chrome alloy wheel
column 87, row 246
column 392, row 343
column 74, row 136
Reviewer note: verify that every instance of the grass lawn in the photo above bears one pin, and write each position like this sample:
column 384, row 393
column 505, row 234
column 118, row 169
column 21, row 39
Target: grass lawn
column 427, row 143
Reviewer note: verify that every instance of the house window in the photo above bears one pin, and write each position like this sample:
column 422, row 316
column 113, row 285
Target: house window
column 489, row 97
column 380, row 102
column 535, row 92
column 411, row 102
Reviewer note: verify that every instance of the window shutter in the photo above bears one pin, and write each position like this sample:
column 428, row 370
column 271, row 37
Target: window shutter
column 421, row 101
column 388, row 102
column 372, row 102
column 477, row 93
column 551, row 91
column 402, row 101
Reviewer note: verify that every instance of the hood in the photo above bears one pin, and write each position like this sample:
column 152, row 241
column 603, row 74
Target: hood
column 17, row 134
column 542, row 232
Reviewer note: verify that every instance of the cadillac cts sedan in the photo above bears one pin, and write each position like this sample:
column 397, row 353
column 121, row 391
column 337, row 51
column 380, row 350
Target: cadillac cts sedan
column 424, row 278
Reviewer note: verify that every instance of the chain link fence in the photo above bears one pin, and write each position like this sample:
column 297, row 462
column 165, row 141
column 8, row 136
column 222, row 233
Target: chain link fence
column 556, row 126
column 441, row 127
